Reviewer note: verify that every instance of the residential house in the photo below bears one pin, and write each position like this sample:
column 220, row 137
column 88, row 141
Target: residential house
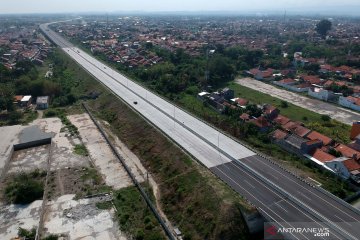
column 289, row 126
column 241, row 102
column 245, row 117
column 17, row 99
column 26, row 101
column 270, row 111
column 345, row 167
column 262, row 123
column 227, row 93
column 42, row 102
column 310, row 79
column 281, row 120
column 350, row 102
column 202, row 96
column 258, row 74
column 297, row 145
column 355, row 130
column 278, row 135
column 322, row 94
column 301, row 131
column 318, row 136
column 320, row 157
column 347, row 151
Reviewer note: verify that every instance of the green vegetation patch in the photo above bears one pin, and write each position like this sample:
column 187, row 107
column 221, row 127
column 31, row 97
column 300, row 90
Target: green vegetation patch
column 134, row 215
column 25, row 188
column 80, row 149
column 321, row 123
column 195, row 200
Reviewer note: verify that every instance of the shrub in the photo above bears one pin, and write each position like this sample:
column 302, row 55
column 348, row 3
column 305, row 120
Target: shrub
column 284, row 104
column 325, row 118
column 27, row 234
column 24, row 189
column 50, row 113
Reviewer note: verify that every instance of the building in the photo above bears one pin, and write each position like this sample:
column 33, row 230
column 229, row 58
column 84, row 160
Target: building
column 262, row 123
column 26, row 101
column 318, row 136
column 345, row 167
column 350, row 102
column 322, row 94
column 42, row 102
column 281, row 120
column 270, row 112
column 355, row 130
column 227, row 93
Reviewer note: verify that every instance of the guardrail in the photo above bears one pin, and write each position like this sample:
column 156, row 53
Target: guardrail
column 247, row 168
column 132, row 176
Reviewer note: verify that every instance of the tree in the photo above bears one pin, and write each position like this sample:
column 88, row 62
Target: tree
column 323, row 27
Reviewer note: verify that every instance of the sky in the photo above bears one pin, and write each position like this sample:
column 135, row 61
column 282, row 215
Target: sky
column 78, row 6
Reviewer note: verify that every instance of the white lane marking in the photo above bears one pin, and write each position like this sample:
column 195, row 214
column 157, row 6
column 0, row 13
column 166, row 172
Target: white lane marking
column 342, row 220
column 280, row 196
column 278, row 204
column 269, row 165
column 271, row 191
column 304, row 195
column 251, row 185
column 258, row 201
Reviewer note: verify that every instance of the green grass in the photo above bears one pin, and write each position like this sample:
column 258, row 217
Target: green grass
column 80, row 149
column 104, row 205
column 134, row 216
column 195, row 200
column 25, row 188
column 333, row 129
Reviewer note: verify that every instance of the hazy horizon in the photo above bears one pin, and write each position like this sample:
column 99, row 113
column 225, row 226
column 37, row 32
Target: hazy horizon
column 348, row 7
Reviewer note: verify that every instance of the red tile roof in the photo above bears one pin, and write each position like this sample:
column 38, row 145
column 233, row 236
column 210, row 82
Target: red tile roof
column 261, row 122
column 351, row 164
column 268, row 109
column 315, row 135
column 287, row 80
column 355, row 100
column 241, row 101
column 322, row 156
column 355, row 130
column 301, row 131
column 290, row 125
column 18, row 98
column 245, row 116
column 278, row 134
column 311, row 79
column 346, row 151
column 282, row 120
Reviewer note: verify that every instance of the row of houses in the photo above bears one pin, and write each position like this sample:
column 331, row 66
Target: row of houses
column 343, row 160
column 340, row 159
column 321, row 92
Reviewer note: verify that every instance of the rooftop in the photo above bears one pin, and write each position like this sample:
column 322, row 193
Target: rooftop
column 315, row 135
column 322, row 156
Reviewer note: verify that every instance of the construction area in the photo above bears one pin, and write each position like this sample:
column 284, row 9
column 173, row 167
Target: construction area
column 79, row 172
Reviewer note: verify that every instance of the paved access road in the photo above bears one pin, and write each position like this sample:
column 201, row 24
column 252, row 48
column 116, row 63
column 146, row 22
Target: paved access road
column 341, row 114
column 280, row 196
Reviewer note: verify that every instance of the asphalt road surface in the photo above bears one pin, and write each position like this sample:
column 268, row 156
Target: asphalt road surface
column 278, row 195
column 336, row 112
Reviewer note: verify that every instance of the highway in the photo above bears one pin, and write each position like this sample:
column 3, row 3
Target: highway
column 279, row 196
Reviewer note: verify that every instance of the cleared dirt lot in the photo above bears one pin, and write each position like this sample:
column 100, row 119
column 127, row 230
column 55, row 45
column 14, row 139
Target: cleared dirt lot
column 81, row 219
column 14, row 216
column 101, row 154
column 338, row 113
